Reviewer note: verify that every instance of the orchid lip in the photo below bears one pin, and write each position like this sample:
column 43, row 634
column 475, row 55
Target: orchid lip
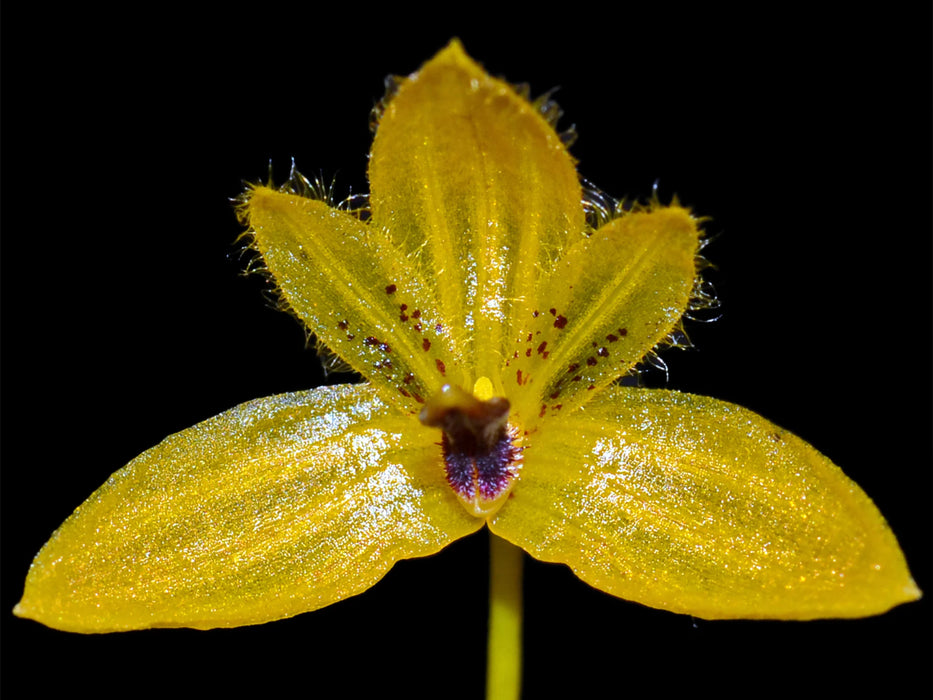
column 481, row 457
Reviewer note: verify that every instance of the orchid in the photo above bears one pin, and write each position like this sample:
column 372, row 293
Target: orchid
column 492, row 309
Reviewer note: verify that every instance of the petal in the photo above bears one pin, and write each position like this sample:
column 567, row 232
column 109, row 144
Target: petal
column 353, row 290
column 276, row 507
column 610, row 299
column 698, row 506
column 476, row 186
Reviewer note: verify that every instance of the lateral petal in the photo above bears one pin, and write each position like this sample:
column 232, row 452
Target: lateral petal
column 702, row 507
column 477, row 187
column 276, row 507
column 609, row 300
column 353, row 290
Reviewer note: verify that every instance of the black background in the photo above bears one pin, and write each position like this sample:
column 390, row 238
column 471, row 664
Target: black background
column 805, row 136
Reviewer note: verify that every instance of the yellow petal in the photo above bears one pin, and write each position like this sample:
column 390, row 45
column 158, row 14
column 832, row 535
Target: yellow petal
column 698, row 506
column 276, row 507
column 609, row 300
column 472, row 181
column 353, row 290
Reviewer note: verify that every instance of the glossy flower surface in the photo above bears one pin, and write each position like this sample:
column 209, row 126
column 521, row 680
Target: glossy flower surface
column 476, row 296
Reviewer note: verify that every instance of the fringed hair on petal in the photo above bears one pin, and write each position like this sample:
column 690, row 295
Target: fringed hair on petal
column 317, row 189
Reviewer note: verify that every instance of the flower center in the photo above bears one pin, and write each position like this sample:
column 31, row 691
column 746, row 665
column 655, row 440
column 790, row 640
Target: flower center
column 481, row 458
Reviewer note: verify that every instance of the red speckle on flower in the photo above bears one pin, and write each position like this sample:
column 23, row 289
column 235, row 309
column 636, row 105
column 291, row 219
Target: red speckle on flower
column 560, row 322
column 391, row 289
column 426, row 344
column 541, row 347
column 573, row 368
column 408, row 378
column 623, row 331
column 591, row 361
column 343, row 325
column 370, row 340
column 543, row 409
column 553, row 312
column 441, row 367
column 612, row 337
column 518, row 377
column 416, row 313
column 528, row 352
column 602, row 352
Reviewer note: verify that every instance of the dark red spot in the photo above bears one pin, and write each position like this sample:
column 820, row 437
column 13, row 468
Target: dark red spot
column 623, row 331
column 416, row 313
column 591, row 387
column 408, row 378
column 555, row 394
column 417, row 327
column 403, row 316
column 591, row 361
column 602, row 352
column 536, row 313
column 612, row 337
column 441, row 367
column 576, row 378
column 553, row 312
column 530, row 336
column 426, row 344
column 515, row 356
column 528, row 352
column 343, row 325
column 560, row 322
column 350, row 336
column 518, row 377
column 541, row 347
column 593, row 344
column 543, row 409
column 573, row 368
column 370, row 340
column 404, row 393
column 417, row 397
column 404, row 307
column 391, row 289
column 546, row 353
column 558, row 407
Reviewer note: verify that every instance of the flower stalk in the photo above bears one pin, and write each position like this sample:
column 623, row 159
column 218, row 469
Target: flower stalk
column 504, row 648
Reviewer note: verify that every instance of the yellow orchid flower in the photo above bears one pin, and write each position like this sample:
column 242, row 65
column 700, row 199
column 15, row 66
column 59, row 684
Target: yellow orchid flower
column 492, row 321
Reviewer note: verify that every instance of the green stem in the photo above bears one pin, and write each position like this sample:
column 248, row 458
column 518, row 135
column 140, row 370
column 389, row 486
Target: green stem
column 504, row 649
